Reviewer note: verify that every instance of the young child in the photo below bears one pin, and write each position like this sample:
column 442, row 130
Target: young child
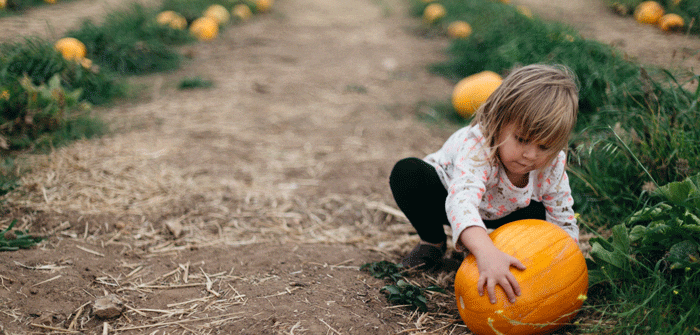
column 507, row 165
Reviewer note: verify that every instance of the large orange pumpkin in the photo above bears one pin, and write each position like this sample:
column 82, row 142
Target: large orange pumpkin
column 553, row 287
column 472, row 91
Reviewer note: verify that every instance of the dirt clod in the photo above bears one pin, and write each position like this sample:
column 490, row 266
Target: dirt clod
column 107, row 307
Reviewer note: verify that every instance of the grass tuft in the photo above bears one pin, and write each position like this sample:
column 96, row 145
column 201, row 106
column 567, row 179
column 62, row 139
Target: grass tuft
column 194, row 82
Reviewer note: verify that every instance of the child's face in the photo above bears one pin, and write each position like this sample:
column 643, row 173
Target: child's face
column 518, row 155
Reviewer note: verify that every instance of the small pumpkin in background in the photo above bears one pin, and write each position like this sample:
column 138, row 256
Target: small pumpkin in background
column 242, row 12
column 671, row 22
column 433, row 12
column 171, row 18
column 3, row 3
column 472, row 91
column 459, row 29
column 71, row 48
column 263, row 5
column 204, row 28
column 553, row 286
column 648, row 12
column 218, row 13
column 50, row 1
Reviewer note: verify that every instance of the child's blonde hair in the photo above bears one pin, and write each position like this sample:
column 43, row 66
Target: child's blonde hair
column 540, row 100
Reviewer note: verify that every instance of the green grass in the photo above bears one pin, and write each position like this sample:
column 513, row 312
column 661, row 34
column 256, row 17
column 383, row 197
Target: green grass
column 194, row 82
column 11, row 240
column 131, row 42
column 648, row 141
column 45, row 100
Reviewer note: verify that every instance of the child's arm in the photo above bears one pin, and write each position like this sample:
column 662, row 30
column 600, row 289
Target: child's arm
column 494, row 265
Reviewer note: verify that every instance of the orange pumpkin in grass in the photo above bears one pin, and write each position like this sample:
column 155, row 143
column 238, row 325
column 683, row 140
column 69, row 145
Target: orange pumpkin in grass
column 671, row 22
column 459, row 29
column 263, row 5
column 218, row 13
column 71, row 48
column 553, row 287
column 205, row 28
column 171, row 18
column 472, row 91
column 648, row 12
column 433, row 12
column 242, row 12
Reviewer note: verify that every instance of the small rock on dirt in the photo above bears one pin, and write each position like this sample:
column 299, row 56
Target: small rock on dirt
column 108, row 307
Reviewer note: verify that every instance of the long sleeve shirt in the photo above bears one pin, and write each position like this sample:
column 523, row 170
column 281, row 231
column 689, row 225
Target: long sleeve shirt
column 478, row 190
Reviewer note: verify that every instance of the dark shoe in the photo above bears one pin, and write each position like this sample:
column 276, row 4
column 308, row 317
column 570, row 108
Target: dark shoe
column 452, row 263
column 424, row 257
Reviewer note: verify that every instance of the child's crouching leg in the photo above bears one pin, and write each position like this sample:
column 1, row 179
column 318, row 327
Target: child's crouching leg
column 419, row 193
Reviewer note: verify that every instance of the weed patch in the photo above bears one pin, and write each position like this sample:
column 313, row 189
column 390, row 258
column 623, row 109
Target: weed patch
column 400, row 291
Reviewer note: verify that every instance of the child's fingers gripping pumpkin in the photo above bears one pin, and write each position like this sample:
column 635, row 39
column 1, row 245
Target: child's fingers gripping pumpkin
column 494, row 269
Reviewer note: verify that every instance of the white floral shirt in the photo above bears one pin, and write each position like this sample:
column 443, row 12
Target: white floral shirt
column 479, row 191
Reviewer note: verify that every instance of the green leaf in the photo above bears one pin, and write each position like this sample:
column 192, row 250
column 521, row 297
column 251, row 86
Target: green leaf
column 617, row 256
column 391, row 289
column 14, row 240
column 637, row 233
column 435, row 288
column 679, row 192
column 12, row 224
column 649, row 214
column 596, row 276
column 692, row 220
column 691, row 229
column 683, row 254
column 383, row 269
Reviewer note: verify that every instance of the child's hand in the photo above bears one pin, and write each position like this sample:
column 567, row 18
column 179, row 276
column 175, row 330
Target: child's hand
column 494, row 269
column 494, row 265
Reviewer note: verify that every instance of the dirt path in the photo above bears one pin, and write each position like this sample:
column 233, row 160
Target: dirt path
column 248, row 207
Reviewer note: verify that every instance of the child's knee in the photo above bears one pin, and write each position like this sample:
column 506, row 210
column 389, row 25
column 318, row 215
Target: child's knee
column 405, row 168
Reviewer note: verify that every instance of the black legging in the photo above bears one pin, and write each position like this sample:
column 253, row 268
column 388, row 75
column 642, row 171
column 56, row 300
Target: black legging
column 419, row 193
